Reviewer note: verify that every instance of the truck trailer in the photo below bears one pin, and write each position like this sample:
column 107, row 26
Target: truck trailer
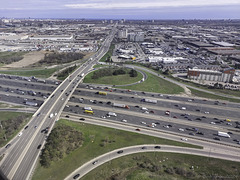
column 29, row 103
column 223, row 134
column 121, row 105
column 102, row 93
column 150, row 100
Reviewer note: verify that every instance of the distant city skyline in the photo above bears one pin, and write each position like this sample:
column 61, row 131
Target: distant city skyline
column 126, row 9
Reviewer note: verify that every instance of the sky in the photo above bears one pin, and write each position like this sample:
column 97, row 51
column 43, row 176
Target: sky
column 121, row 9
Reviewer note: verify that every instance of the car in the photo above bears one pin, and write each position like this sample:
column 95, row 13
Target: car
column 191, row 133
column 20, row 134
column 165, row 126
column 212, row 123
column 8, row 145
column 39, row 146
column 197, row 109
column 143, row 122
column 67, row 116
column 181, row 129
column 95, row 162
column 198, row 119
column 77, row 106
column 119, row 152
column 26, row 127
column 35, row 127
column 183, row 108
column 175, row 117
column 157, row 147
column 167, row 112
column 200, row 133
column 151, row 111
column 76, row 176
column 144, row 147
column 124, row 120
column 138, row 129
column 206, row 112
column 109, row 102
column 184, row 139
column 217, row 138
column 146, row 112
column 82, row 119
column 203, row 116
column 104, row 117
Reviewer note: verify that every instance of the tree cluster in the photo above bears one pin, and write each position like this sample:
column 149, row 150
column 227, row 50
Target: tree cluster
column 11, row 125
column 63, row 74
column 10, row 59
column 62, row 140
column 113, row 72
column 61, row 58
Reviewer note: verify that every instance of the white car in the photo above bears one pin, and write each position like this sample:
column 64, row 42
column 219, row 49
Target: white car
column 183, row 108
column 184, row 139
column 124, row 120
column 20, row 134
column 212, row 123
column 181, row 129
column 143, row 122
column 206, row 112
column 146, row 112
column 166, row 126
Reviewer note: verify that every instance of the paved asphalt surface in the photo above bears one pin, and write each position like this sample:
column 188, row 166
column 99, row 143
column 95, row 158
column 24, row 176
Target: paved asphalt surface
column 21, row 156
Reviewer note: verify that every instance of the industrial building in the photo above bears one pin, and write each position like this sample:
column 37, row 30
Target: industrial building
column 224, row 75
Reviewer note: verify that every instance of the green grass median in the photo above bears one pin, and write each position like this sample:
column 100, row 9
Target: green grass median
column 97, row 140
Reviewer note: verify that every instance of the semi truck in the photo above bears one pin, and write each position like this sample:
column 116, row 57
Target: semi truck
column 223, row 134
column 150, row 100
column 102, row 93
column 120, row 105
column 29, row 103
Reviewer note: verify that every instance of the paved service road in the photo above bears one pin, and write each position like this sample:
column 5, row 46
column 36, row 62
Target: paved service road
column 94, row 163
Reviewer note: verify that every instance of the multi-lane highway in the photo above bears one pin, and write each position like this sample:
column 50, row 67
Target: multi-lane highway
column 21, row 156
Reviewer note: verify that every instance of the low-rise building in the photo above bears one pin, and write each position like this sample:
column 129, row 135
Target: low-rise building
column 224, row 75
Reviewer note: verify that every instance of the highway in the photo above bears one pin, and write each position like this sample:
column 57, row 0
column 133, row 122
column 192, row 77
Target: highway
column 20, row 158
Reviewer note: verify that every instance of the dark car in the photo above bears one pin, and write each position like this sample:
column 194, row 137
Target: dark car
column 144, row 147
column 119, row 152
column 67, row 116
column 200, row 133
column 157, row 147
column 26, row 127
column 82, row 119
column 191, row 134
column 199, row 119
column 76, row 176
column 7, row 146
column 217, row 138
column 95, row 162
column 39, row 146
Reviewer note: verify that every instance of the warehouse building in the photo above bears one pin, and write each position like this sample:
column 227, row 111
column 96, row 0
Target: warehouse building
column 224, row 75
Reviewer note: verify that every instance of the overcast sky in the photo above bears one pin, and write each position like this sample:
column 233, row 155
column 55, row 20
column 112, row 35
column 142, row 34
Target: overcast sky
column 119, row 9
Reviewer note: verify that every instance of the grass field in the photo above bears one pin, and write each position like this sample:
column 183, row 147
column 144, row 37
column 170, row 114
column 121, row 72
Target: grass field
column 212, row 96
column 40, row 73
column 156, row 84
column 97, row 140
column 113, row 80
column 10, row 54
column 166, row 166
column 9, row 116
column 99, row 65
column 108, row 54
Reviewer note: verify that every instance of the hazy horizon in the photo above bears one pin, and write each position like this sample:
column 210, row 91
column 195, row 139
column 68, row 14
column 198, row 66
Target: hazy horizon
column 126, row 9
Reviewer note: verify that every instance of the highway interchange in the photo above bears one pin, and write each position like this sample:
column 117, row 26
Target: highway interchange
column 200, row 121
column 20, row 158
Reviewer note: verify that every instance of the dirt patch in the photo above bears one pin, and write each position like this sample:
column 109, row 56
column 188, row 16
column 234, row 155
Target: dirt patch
column 29, row 58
